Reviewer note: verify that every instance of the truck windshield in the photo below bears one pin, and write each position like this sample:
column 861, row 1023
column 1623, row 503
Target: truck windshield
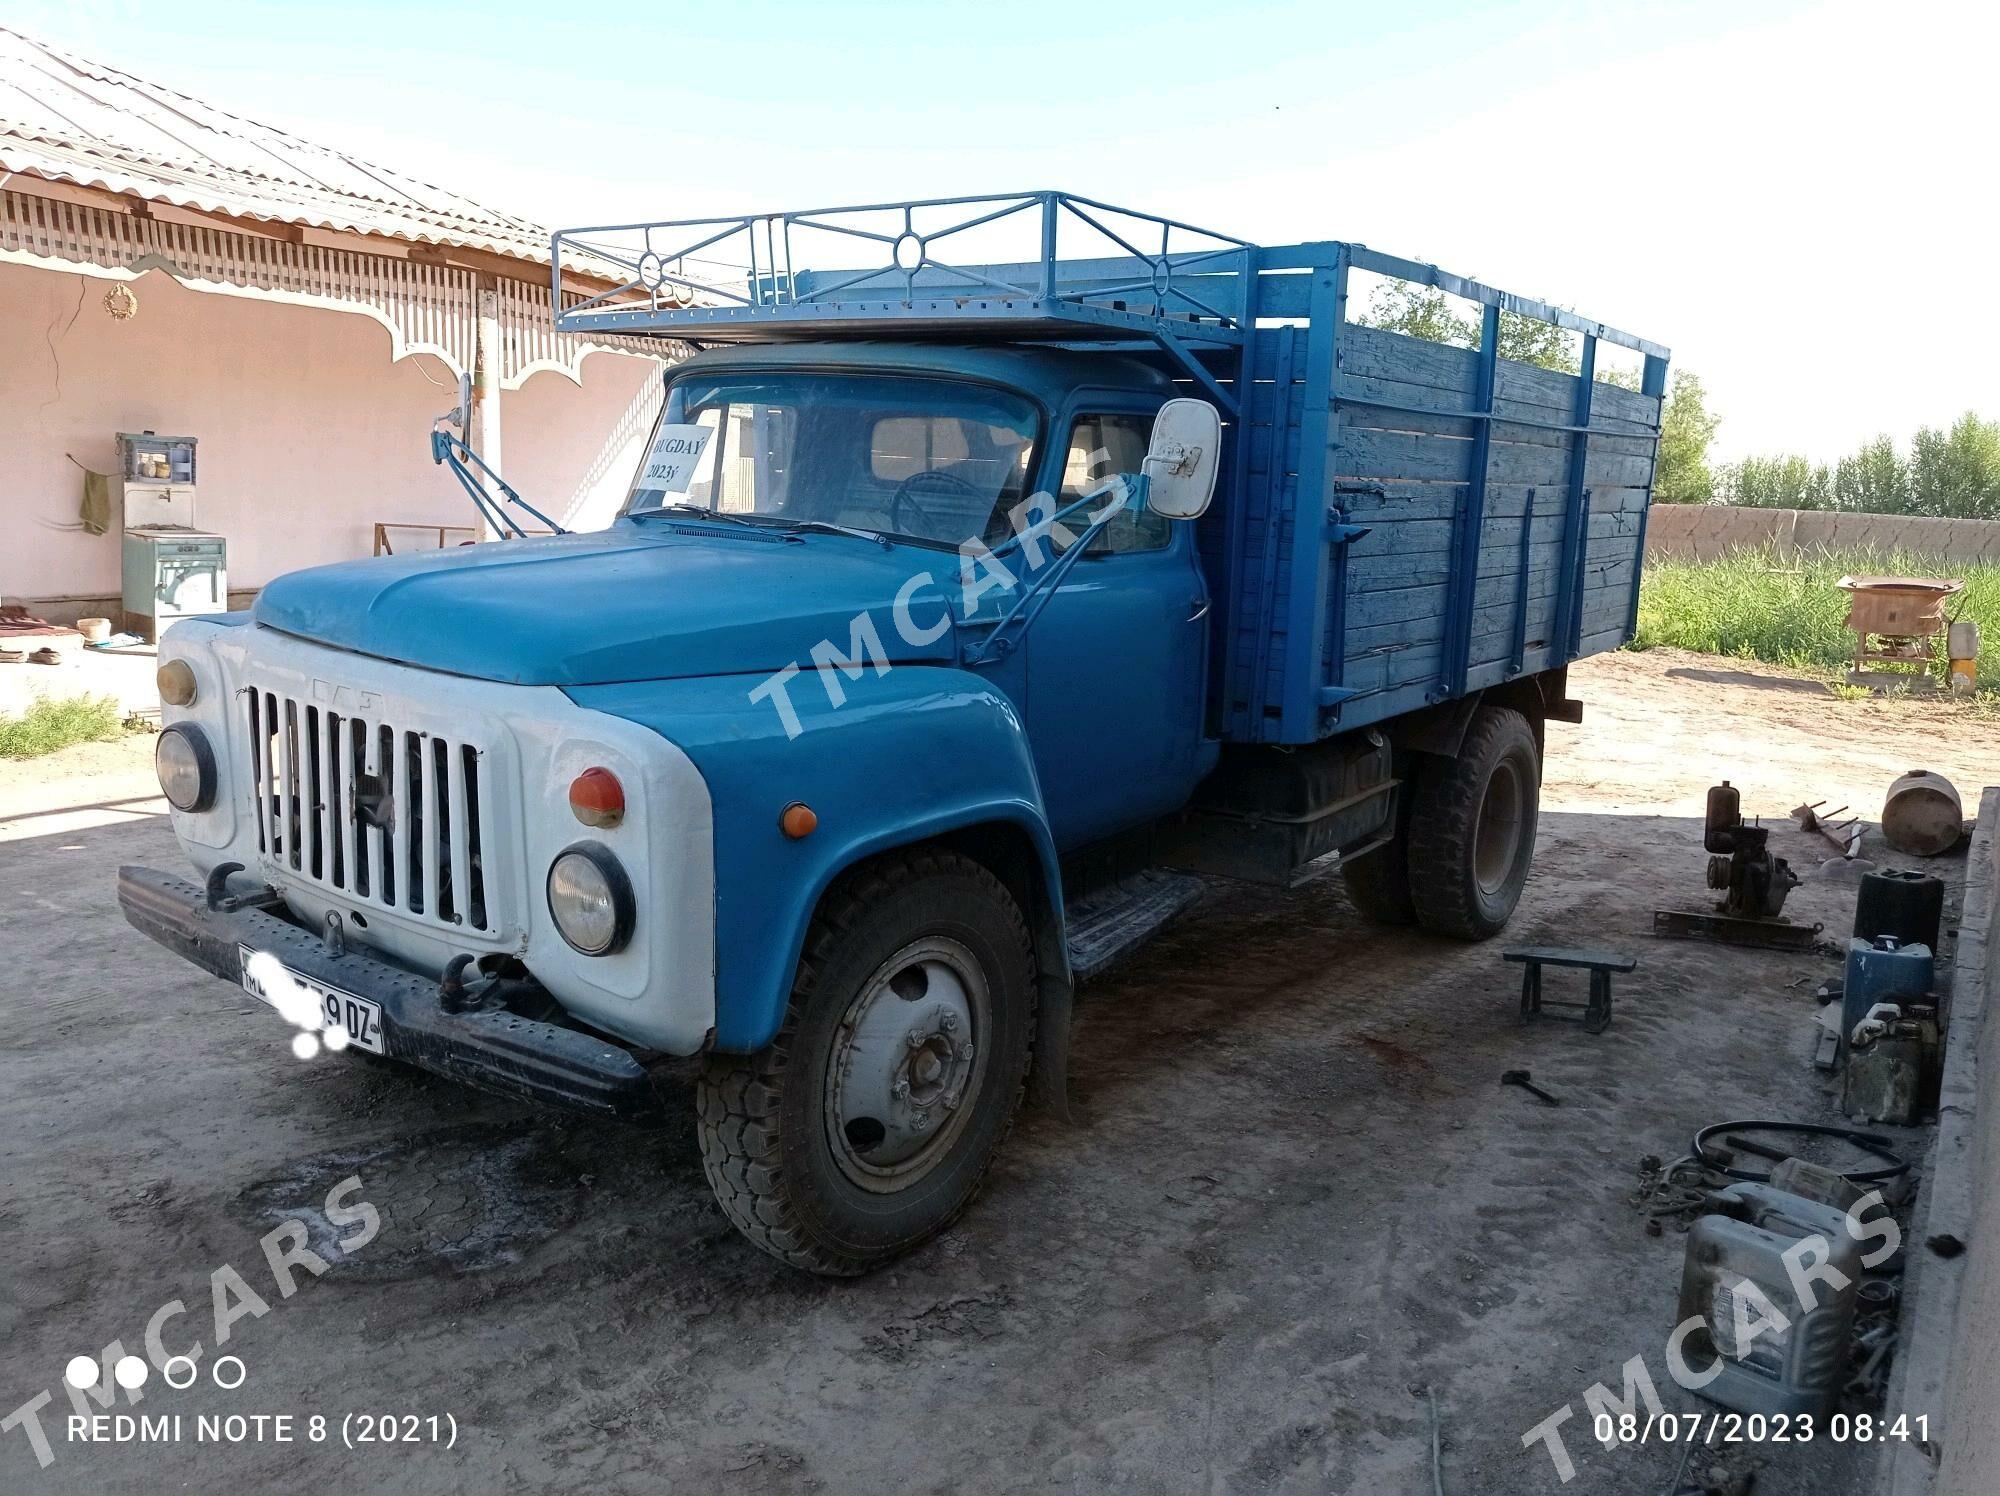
column 935, row 461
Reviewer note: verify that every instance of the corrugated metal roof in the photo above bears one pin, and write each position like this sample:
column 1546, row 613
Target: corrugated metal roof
column 72, row 120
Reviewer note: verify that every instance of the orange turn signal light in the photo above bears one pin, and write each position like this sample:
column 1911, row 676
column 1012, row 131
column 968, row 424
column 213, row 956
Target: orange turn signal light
column 797, row 819
column 177, row 684
column 596, row 798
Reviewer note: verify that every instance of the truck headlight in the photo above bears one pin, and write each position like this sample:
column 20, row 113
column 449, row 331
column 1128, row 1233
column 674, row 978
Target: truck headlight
column 590, row 899
column 186, row 766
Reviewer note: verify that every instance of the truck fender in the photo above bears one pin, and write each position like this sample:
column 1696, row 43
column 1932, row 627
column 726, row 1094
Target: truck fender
column 1022, row 864
column 1441, row 729
column 1436, row 729
column 915, row 754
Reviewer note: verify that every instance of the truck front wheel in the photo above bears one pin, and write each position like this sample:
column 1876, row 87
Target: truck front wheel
column 1472, row 828
column 869, row 1123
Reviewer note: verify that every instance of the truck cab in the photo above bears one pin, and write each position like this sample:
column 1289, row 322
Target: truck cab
column 937, row 454
column 952, row 634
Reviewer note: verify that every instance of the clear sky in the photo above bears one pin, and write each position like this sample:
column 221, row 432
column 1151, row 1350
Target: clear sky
column 1801, row 197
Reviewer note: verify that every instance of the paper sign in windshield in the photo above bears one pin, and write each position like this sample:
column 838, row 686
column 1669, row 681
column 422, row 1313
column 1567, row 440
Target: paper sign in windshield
column 673, row 458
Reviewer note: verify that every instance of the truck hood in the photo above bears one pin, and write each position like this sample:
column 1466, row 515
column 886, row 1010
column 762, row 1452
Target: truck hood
column 630, row 603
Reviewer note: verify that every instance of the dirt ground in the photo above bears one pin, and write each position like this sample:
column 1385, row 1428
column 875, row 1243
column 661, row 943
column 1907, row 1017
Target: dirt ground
column 1297, row 1196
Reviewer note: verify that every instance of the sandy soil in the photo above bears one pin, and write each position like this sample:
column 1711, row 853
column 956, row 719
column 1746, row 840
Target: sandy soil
column 1664, row 725
column 1296, row 1197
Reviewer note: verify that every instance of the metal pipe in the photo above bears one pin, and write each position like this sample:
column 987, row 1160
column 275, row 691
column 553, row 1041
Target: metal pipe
column 486, row 388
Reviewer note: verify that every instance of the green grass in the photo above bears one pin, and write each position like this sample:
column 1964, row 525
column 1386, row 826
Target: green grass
column 48, row 725
column 1785, row 610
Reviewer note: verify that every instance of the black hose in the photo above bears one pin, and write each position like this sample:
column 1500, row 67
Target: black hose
column 1872, row 1143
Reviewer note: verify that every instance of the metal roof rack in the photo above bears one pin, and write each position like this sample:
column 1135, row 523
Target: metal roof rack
column 1025, row 266
column 1030, row 266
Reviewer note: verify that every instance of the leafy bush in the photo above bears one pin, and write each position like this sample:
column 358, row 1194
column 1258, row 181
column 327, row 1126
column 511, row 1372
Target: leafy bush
column 48, row 725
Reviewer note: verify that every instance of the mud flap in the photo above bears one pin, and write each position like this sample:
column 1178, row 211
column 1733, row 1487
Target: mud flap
column 1048, row 1080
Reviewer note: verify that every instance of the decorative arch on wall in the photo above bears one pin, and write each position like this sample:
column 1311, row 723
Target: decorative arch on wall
column 426, row 308
column 401, row 344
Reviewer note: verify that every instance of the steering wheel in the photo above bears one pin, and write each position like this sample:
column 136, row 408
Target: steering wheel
column 941, row 485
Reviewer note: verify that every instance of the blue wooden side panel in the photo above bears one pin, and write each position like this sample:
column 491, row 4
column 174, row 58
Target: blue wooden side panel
column 1483, row 559
column 1259, row 621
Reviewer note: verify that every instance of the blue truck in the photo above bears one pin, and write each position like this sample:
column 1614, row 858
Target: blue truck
column 976, row 599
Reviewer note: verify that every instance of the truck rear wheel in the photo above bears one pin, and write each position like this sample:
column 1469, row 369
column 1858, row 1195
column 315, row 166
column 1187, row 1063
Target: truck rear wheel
column 1472, row 828
column 869, row 1123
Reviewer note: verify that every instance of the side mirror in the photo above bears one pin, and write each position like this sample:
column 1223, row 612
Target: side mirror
column 1181, row 462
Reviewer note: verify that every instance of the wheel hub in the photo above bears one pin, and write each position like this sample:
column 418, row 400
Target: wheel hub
column 1497, row 833
column 905, row 1064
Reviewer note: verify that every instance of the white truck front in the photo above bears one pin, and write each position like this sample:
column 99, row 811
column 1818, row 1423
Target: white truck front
column 375, row 827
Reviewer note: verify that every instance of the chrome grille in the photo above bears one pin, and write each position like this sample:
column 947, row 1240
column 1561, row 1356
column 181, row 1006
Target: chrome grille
column 384, row 814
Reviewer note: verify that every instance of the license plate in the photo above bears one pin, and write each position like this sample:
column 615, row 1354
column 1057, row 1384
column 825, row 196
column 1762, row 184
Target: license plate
column 358, row 1015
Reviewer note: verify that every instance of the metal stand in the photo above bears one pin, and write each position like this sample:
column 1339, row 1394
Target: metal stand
column 1733, row 929
column 1600, row 964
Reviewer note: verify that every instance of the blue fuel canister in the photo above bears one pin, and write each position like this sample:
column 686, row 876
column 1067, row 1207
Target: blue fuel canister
column 1882, row 970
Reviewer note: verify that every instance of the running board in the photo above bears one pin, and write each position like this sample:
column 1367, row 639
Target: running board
column 1117, row 919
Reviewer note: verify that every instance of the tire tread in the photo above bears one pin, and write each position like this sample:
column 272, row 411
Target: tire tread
column 1444, row 825
column 738, row 1111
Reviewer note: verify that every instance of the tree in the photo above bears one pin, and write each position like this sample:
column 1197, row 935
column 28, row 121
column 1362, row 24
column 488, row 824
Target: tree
column 1419, row 312
column 1426, row 312
column 1682, row 474
column 1873, row 480
column 1529, row 340
column 1950, row 474
column 1687, row 430
column 1785, row 482
column 1956, row 474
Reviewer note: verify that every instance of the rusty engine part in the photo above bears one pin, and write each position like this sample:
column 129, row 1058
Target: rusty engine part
column 1754, row 884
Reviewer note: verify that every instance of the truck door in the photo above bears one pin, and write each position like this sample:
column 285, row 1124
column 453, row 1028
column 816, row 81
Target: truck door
column 1116, row 662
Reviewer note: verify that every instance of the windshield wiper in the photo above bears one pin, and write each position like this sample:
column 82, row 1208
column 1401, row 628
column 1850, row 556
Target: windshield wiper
column 768, row 522
column 699, row 511
column 828, row 527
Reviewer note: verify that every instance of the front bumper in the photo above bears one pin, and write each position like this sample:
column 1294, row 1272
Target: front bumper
column 495, row 1051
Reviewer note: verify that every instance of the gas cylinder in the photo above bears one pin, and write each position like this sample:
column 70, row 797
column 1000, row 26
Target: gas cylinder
column 1962, row 652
